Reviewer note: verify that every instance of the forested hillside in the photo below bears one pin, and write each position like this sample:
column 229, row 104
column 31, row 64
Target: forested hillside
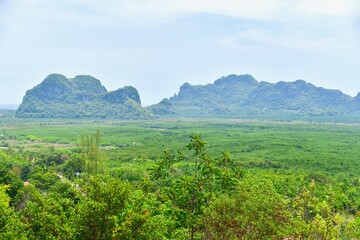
column 234, row 96
column 243, row 95
column 80, row 97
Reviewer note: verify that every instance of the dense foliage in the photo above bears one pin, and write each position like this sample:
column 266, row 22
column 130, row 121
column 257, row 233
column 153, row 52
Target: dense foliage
column 80, row 97
column 193, row 191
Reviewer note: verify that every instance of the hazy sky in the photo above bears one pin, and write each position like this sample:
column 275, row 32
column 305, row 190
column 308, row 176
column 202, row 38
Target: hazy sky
column 157, row 45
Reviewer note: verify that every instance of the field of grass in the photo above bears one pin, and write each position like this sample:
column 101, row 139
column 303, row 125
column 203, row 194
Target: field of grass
column 330, row 149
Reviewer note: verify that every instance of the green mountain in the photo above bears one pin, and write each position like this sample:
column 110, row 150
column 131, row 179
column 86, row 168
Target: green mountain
column 240, row 95
column 80, row 97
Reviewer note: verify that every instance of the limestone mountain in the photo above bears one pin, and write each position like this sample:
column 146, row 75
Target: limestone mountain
column 80, row 97
column 239, row 95
column 164, row 107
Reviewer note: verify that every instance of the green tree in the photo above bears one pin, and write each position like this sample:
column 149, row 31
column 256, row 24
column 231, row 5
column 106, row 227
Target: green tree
column 318, row 219
column 91, row 153
column 252, row 211
column 227, row 172
column 11, row 226
column 190, row 191
column 102, row 209
column 9, row 178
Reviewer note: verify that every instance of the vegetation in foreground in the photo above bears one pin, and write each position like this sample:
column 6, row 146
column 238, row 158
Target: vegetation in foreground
column 192, row 190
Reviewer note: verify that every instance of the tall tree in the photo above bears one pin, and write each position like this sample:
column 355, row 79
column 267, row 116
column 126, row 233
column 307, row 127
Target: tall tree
column 91, row 153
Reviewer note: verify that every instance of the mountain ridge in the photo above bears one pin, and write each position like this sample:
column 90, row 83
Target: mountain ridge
column 80, row 97
column 236, row 95
column 229, row 96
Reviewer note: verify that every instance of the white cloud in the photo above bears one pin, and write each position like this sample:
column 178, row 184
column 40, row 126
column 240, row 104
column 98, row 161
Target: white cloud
column 339, row 8
column 260, row 39
column 284, row 40
column 253, row 9
column 259, row 9
column 138, row 11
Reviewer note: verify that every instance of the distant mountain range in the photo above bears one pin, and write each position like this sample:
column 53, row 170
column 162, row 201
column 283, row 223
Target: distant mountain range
column 230, row 96
column 239, row 95
column 80, row 97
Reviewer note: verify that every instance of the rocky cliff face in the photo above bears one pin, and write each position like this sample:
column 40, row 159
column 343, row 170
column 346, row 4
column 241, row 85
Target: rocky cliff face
column 80, row 97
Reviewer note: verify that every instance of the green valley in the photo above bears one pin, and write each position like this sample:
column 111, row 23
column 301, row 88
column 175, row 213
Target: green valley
column 179, row 179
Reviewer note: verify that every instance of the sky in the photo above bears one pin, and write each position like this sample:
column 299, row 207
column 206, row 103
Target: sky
column 157, row 45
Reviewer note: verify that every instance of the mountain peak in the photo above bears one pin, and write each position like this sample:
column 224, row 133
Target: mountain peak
column 80, row 97
column 122, row 95
column 235, row 79
column 89, row 84
column 300, row 81
column 55, row 79
column 243, row 95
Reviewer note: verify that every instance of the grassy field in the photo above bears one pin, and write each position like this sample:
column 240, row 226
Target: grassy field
column 330, row 149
